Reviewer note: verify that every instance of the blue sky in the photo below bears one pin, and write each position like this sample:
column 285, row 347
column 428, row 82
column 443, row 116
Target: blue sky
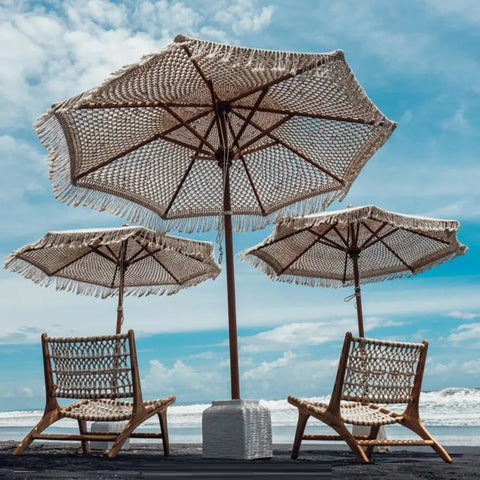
column 419, row 61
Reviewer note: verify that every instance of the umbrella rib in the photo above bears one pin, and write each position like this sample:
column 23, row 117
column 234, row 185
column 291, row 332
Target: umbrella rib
column 250, row 115
column 259, row 147
column 235, row 143
column 376, row 238
column 345, row 241
column 379, row 229
column 327, row 241
column 68, row 264
column 189, row 168
column 445, row 242
column 265, row 132
column 104, row 255
column 137, row 146
column 187, row 145
column 93, row 106
column 392, row 251
column 252, row 185
column 200, row 73
column 298, row 153
column 190, row 128
column 298, row 256
column 164, row 267
column 280, row 79
column 296, row 113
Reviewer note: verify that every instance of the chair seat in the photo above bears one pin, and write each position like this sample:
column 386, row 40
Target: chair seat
column 104, row 410
column 353, row 413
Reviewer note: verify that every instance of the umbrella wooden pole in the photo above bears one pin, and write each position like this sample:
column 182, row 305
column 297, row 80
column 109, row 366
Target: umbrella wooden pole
column 358, row 295
column 232, row 311
column 121, row 288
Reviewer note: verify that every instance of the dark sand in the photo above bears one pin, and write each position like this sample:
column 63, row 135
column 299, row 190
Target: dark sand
column 144, row 461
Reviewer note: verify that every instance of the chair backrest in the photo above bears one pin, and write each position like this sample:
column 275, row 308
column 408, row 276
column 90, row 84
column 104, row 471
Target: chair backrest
column 380, row 371
column 90, row 367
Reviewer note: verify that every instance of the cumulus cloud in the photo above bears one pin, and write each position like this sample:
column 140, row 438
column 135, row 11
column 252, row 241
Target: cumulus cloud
column 464, row 315
column 467, row 332
column 301, row 334
column 266, row 367
column 184, row 381
column 242, row 16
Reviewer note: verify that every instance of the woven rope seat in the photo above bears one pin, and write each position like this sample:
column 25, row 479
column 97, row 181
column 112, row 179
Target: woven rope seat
column 103, row 410
column 353, row 413
column 371, row 372
column 96, row 372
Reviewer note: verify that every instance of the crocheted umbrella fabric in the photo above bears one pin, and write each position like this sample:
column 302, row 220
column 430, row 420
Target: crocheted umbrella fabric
column 148, row 144
column 316, row 250
column 88, row 261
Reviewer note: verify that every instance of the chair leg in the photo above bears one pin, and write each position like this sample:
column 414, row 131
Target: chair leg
column 162, row 417
column 124, row 435
column 45, row 421
column 82, row 426
column 302, row 422
column 373, row 435
column 350, row 440
column 417, row 427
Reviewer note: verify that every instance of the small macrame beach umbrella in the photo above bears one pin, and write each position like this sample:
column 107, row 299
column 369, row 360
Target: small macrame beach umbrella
column 115, row 261
column 202, row 132
column 354, row 246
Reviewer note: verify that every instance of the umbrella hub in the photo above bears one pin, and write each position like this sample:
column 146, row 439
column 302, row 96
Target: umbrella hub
column 221, row 107
column 224, row 157
column 354, row 252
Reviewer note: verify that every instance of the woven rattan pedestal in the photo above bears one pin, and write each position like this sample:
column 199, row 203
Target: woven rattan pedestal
column 237, row 429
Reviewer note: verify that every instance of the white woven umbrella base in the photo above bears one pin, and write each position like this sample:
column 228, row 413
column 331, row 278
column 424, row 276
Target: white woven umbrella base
column 382, row 435
column 237, row 429
column 107, row 427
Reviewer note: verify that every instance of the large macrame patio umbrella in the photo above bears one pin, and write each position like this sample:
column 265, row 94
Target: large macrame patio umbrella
column 202, row 132
column 115, row 261
column 354, row 246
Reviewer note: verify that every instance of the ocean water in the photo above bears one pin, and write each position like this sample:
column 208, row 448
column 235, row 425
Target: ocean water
column 452, row 415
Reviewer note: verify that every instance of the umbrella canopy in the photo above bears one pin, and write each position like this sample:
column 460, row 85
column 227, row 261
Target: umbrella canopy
column 353, row 246
column 115, row 261
column 202, row 130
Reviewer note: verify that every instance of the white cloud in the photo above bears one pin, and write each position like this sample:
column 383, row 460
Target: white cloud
column 466, row 11
column 458, row 122
column 242, row 16
column 466, row 332
column 266, row 367
column 184, row 381
column 464, row 315
column 297, row 335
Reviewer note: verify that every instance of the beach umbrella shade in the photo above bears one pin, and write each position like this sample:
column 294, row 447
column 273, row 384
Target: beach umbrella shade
column 115, row 261
column 203, row 131
column 354, row 246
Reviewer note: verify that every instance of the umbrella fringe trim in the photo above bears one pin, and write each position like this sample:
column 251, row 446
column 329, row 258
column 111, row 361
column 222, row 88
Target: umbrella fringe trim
column 367, row 212
column 267, row 269
column 33, row 273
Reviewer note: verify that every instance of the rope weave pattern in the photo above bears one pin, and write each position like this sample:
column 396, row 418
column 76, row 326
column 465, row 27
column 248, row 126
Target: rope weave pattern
column 380, row 371
column 144, row 144
column 310, row 251
column 87, row 261
column 91, row 368
column 352, row 413
column 109, row 410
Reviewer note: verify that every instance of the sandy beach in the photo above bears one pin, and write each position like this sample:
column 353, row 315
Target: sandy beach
column 52, row 461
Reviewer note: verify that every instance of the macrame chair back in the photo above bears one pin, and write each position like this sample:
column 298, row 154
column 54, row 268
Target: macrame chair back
column 379, row 371
column 90, row 367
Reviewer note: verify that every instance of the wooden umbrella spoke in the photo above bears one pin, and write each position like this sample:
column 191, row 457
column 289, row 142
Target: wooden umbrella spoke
column 188, row 170
column 99, row 106
column 395, row 254
column 379, row 229
column 249, row 176
column 319, row 116
column 158, row 136
column 295, row 151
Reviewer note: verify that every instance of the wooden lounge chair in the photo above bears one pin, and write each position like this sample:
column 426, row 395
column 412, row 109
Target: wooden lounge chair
column 371, row 372
column 96, row 371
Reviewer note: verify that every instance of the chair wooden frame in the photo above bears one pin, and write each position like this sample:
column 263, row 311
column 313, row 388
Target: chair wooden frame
column 397, row 380
column 97, row 371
